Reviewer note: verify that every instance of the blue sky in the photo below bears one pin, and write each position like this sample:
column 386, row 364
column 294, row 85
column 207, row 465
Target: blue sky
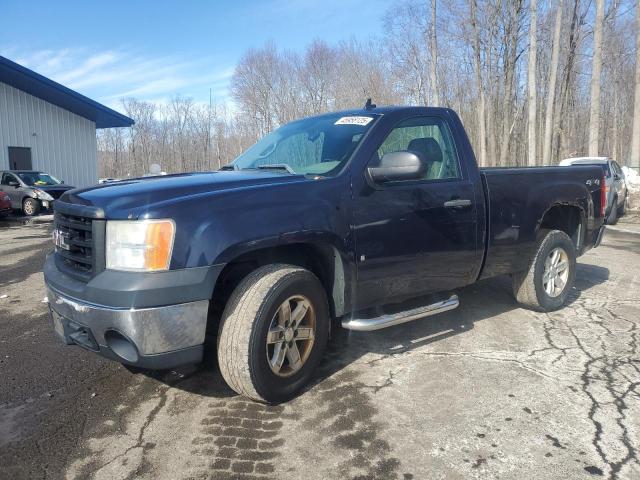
column 153, row 50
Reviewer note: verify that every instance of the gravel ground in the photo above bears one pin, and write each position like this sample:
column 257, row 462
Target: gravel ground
column 485, row 391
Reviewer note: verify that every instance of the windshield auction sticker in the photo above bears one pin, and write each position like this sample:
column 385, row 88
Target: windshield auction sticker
column 354, row 121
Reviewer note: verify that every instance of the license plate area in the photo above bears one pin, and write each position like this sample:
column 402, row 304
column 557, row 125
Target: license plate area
column 61, row 239
column 73, row 333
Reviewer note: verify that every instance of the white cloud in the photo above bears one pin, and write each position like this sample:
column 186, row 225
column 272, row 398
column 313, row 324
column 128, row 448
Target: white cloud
column 108, row 76
column 98, row 62
column 172, row 81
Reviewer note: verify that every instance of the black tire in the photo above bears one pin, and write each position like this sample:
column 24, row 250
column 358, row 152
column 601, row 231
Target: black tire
column 528, row 286
column 30, row 207
column 242, row 335
column 622, row 209
column 612, row 219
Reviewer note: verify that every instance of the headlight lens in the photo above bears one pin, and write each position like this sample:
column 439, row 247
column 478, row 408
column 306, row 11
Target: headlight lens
column 42, row 195
column 139, row 245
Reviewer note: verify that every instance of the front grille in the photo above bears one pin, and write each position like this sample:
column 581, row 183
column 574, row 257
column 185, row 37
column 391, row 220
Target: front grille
column 79, row 231
column 56, row 193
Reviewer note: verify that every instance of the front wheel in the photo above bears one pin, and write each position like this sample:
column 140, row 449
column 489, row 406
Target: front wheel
column 622, row 208
column 30, row 206
column 551, row 274
column 273, row 332
column 612, row 219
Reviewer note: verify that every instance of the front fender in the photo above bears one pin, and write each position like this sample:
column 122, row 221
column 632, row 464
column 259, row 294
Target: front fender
column 217, row 227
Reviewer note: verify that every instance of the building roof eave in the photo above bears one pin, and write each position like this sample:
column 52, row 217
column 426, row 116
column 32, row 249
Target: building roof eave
column 46, row 89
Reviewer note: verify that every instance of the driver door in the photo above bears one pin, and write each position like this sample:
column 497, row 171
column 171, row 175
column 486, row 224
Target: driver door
column 417, row 236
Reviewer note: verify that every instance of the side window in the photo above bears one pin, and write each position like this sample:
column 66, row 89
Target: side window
column 616, row 168
column 429, row 136
column 6, row 178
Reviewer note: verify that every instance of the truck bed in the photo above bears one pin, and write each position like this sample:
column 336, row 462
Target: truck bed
column 517, row 200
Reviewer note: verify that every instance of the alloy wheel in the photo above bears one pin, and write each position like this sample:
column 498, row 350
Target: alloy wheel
column 556, row 272
column 291, row 336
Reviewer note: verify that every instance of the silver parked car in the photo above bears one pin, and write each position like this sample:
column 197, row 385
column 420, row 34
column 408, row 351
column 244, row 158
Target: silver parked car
column 614, row 180
column 31, row 191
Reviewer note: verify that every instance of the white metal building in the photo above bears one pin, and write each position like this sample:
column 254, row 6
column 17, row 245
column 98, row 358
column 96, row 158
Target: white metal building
column 48, row 127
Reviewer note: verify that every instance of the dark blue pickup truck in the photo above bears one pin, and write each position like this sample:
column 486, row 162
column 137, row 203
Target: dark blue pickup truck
column 337, row 219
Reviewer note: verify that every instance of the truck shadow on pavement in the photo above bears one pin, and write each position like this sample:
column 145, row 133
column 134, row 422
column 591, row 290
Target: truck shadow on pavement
column 241, row 439
column 480, row 301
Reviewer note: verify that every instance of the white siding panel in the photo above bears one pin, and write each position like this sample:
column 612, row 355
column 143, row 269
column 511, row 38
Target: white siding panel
column 62, row 143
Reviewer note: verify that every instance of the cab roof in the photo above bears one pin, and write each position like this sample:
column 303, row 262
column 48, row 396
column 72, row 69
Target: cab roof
column 592, row 160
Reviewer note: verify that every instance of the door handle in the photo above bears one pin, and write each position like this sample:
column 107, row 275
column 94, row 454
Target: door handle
column 458, row 203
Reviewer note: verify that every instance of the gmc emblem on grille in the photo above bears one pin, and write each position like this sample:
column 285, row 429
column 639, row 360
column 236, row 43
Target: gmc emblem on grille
column 61, row 239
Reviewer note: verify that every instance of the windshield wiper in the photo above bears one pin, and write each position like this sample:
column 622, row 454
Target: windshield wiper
column 230, row 166
column 278, row 166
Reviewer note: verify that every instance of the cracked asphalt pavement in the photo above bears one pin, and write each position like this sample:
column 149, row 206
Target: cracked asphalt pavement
column 489, row 390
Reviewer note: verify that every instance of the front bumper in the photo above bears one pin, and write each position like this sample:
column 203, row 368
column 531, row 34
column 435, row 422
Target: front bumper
column 154, row 338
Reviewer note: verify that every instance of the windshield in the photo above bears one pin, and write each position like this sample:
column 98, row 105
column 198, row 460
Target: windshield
column 313, row 146
column 38, row 179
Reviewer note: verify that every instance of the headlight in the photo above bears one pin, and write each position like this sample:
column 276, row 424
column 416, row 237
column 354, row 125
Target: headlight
column 139, row 245
column 42, row 195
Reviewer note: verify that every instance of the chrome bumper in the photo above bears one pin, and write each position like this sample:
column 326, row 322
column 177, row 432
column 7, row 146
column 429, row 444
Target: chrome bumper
column 152, row 331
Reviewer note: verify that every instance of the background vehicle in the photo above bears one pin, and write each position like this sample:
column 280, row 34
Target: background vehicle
column 615, row 181
column 324, row 218
column 5, row 204
column 31, row 191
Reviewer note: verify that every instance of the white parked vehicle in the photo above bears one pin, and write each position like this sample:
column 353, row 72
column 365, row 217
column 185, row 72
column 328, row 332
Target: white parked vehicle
column 614, row 180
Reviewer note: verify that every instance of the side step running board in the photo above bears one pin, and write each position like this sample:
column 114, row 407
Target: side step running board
column 388, row 320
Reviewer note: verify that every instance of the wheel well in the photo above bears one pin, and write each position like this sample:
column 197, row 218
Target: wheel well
column 323, row 260
column 567, row 219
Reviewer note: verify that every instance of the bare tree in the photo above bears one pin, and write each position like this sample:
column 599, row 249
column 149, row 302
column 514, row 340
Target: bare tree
column 407, row 45
column 531, row 75
column 466, row 54
column 551, row 90
column 433, row 65
column 473, row 6
column 317, row 77
column 511, row 49
column 635, row 137
column 596, row 71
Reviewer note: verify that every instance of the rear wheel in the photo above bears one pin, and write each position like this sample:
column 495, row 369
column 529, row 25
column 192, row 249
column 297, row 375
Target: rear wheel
column 273, row 332
column 551, row 274
column 30, row 206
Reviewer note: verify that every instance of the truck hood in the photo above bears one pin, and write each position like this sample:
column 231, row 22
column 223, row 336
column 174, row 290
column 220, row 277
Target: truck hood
column 132, row 197
column 54, row 190
column 49, row 188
